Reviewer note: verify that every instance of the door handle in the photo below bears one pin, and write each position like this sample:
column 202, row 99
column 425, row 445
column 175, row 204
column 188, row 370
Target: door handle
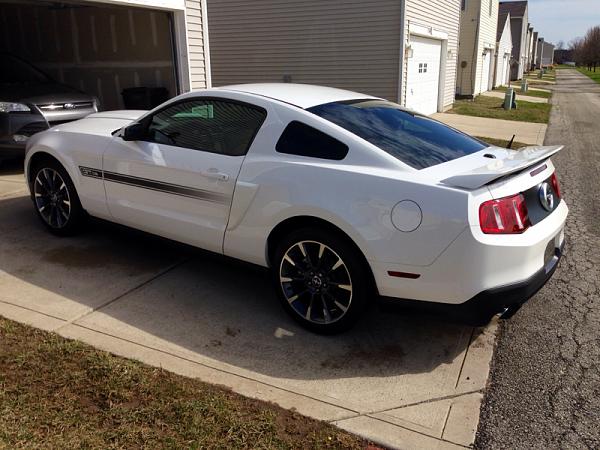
column 214, row 174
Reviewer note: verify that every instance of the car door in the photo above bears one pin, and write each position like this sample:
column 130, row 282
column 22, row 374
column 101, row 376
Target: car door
column 178, row 180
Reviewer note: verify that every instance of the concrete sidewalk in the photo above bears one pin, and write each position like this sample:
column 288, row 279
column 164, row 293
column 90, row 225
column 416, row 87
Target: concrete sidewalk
column 520, row 97
column 526, row 132
column 404, row 381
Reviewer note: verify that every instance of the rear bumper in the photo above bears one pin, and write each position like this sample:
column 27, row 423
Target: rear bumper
column 479, row 310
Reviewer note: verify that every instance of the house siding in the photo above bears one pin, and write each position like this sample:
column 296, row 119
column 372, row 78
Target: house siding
column 504, row 48
column 442, row 15
column 478, row 32
column 194, row 19
column 349, row 44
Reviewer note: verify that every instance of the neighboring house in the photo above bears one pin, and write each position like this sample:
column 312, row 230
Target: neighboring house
column 534, row 51
column 519, row 20
column 545, row 54
column 401, row 50
column 478, row 26
column 530, row 54
column 105, row 46
column 503, row 51
column 563, row 56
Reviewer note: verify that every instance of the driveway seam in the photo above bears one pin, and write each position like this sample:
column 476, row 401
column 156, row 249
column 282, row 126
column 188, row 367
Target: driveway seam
column 183, row 358
column 431, row 400
column 124, row 294
column 415, row 431
column 465, row 358
column 32, row 310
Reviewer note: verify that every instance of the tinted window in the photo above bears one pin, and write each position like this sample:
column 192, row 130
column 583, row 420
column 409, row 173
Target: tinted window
column 412, row 138
column 300, row 139
column 213, row 126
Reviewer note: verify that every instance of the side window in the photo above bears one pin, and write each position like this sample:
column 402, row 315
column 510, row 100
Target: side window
column 463, row 5
column 216, row 126
column 303, row 140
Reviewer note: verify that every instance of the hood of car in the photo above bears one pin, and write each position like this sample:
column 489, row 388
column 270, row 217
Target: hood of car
column 41, row 94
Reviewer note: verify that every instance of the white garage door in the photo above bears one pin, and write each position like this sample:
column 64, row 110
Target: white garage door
column 485, row 72
column 423, row 79
column 506, row 72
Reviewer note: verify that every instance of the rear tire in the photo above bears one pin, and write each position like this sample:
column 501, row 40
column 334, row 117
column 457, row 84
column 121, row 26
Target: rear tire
column 321, row 280
column 55, row 198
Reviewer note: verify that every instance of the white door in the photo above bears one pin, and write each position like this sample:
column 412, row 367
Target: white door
column 485, row 72
column 423, row 79
column 178, row 179
column 506, row 75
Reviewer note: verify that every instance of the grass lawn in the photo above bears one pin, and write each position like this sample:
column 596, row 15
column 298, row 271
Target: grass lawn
column 58, row 393
column 502, row 143
column 590, row 73
column 540, row 94
column 550, row 75
column 491, row 107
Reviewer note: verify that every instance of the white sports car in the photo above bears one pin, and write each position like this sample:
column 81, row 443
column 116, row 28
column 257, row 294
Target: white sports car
column 345, row 197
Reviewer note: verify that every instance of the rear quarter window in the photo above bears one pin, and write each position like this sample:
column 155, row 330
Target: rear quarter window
column 303, row 140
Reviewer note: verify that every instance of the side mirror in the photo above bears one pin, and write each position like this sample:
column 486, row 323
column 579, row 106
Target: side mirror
column 134, row 132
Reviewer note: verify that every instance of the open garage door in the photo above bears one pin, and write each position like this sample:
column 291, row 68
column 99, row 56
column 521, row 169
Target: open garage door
column 423, row 79
column 97, row 48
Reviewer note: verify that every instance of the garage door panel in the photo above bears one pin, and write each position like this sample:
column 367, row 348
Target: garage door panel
column 424, row 75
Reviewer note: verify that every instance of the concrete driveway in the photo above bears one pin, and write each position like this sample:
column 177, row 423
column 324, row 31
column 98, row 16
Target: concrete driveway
column 401, row 380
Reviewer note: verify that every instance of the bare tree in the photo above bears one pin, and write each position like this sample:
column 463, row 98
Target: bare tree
column 586, row 50
column 560, row 45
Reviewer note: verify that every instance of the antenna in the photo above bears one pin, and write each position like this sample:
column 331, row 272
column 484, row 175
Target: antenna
column 510, row 143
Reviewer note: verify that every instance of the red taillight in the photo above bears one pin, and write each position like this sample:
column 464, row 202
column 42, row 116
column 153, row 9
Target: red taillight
column 507, row 215
column 555, row 186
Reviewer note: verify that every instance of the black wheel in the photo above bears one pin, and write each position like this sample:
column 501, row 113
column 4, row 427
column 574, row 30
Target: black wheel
column 321, row 280
column 55, row 198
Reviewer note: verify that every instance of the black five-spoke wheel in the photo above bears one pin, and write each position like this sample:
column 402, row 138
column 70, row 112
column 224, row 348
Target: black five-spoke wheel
column 321, row 280
column 55, row 198
column 316, row 282
column 52, row 198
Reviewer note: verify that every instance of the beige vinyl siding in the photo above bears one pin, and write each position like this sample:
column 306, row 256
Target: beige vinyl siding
column 441, row 15
column 196, row 45
column 349, row 44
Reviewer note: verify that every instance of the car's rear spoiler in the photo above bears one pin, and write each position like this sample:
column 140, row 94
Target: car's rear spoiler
column 513, row 161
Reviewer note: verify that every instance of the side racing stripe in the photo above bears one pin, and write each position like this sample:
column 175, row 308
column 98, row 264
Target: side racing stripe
column 154, row 185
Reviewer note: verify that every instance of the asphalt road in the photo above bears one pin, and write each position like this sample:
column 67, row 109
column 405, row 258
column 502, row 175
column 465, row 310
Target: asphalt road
column 544, row 389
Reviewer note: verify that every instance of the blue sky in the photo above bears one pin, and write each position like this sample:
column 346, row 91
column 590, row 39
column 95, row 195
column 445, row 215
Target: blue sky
column 563, row 19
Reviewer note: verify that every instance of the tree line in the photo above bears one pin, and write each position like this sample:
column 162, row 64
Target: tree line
column 586, row 50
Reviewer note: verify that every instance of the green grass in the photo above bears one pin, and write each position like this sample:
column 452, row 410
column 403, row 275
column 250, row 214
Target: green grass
column 58, row 393
column 491, row 107
column 540, row 94
column 550, row 75
column 502, row 143
column 590, row 73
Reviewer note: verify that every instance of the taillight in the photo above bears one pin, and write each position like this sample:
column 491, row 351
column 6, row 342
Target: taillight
column 507, row 215
column 555, row 186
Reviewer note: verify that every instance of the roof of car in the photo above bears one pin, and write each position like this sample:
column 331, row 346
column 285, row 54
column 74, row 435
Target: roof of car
column 302, row 95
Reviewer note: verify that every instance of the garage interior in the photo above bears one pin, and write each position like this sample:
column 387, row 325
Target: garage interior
column 100, row 49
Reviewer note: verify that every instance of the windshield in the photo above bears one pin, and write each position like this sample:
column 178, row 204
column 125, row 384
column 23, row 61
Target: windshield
column 412, row 138
column 17, row 71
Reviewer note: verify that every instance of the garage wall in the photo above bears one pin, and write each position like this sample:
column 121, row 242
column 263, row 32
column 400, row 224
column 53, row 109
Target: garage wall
column 443, row 16
column 98, row 49
column 349, row 44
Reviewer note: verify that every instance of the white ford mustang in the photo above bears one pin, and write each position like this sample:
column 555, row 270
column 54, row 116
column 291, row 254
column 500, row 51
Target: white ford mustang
column 345, row 197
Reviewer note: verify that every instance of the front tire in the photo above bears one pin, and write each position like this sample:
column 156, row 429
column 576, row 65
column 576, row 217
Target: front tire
column 321, row 280
column 55, row 199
